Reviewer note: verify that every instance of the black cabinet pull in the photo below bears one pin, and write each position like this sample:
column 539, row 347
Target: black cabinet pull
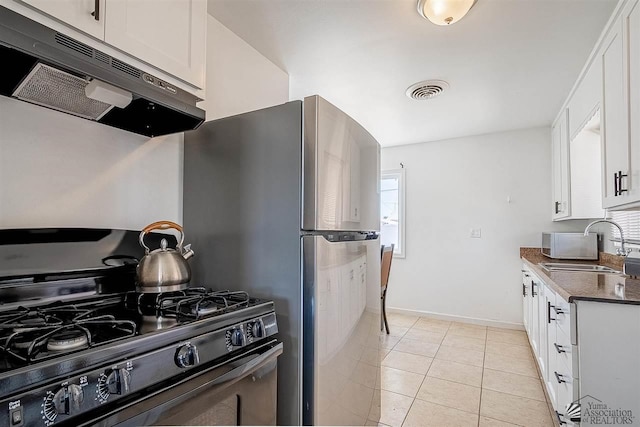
column 557, row 207
column 559, row 348
column 620, row 189
column 559, row 377
column 96, row 11
column 549, row 312
column 533, row 289
column 615, row 184
column 560, row 420
column 524, row 290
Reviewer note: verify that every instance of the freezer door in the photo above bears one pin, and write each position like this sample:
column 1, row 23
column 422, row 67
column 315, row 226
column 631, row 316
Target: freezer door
column 341, row 171
column 341, row 338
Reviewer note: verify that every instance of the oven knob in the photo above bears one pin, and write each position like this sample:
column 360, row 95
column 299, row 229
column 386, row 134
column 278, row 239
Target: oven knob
column 49, row 413
column 237, row 338
column 257, row 329
column 68, row 399
column 118, row 381
column 187, row 355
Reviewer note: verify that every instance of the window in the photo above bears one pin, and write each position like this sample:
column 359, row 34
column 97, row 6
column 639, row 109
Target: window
column 630, row 223
column 392, row 210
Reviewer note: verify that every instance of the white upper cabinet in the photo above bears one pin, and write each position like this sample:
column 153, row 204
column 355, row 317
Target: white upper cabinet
column 621, row 110
column 560, row 169
column 615, row 134
column 633, row 49
column 169, row 34
column 85, row 15
column 602, row 111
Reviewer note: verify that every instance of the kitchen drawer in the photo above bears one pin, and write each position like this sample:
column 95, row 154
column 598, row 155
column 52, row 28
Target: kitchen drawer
column 566, row 353
column 568, row 392
column 561, row 312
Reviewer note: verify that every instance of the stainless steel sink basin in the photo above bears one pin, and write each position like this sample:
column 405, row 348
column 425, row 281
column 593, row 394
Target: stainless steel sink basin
column 588, row 268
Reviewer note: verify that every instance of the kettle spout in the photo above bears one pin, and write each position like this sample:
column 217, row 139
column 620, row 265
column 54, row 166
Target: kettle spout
column 187, row 252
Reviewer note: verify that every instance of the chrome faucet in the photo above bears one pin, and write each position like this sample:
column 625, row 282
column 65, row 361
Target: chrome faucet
column 621, row 251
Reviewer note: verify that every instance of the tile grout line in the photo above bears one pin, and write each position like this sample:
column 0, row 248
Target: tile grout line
column 484, row 357
column 423, row 380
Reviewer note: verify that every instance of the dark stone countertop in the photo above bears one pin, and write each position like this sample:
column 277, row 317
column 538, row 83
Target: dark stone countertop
column 580, row 286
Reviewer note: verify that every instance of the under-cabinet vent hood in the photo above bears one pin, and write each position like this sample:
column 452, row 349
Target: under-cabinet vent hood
column 47, row 68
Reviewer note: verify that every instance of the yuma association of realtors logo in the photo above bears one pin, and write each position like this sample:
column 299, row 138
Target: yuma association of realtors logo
column 592, row 411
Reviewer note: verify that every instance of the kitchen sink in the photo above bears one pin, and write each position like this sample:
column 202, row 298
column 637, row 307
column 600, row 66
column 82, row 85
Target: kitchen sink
column 588, row 268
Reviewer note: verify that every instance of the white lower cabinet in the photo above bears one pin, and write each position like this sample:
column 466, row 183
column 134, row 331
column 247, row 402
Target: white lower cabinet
column 552, row 348
column 588, row 352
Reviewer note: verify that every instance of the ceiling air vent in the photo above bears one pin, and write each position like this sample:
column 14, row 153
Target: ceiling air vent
column 427, row 89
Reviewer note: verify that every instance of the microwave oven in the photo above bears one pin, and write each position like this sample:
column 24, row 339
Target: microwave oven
column 565, row 245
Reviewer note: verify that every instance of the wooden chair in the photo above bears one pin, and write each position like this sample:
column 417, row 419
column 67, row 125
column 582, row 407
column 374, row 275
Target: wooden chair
column 386, row 253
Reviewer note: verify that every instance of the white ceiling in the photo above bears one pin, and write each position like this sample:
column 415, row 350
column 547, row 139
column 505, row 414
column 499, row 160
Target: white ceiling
column 510, row 63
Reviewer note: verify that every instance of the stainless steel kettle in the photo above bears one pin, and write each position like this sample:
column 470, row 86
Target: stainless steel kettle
column 164, row 269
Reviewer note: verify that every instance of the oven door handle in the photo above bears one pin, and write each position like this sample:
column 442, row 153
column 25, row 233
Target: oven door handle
column 243, row 370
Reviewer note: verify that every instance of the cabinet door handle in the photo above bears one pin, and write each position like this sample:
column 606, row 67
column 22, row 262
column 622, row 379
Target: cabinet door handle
column 96, row 10
column 524, row 290
column 620, row 189
column 533, row 289
column 557, row 207
column 549, row 312
column 615, row 184
column 559, row 377
column 560, row 420
column 559, row 348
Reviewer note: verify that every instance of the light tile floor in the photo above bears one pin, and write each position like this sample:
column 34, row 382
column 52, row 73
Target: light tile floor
column 440, row 373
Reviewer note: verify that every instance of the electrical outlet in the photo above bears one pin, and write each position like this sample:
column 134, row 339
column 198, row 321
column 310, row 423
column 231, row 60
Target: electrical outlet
column 476, row 233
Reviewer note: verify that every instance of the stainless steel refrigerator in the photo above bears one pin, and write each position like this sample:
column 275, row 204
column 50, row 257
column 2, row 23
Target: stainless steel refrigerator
column 284, row 204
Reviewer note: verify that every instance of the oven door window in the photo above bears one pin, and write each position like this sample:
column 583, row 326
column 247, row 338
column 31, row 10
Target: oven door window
column 202, row 412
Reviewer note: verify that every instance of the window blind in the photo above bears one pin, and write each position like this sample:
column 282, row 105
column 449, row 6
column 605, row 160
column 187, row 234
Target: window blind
column 630, row 223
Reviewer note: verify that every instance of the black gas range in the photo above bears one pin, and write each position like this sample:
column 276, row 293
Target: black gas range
column 78, row 347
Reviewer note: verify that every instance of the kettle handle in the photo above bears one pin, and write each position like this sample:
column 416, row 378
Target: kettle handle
column 161, row 225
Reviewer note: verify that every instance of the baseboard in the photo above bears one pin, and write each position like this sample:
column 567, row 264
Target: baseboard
column 454, row 318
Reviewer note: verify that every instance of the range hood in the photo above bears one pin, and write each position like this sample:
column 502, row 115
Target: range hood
column 48, row 68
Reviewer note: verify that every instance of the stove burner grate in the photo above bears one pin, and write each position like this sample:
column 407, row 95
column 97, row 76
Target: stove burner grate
column 192, row 304
column 38, row 334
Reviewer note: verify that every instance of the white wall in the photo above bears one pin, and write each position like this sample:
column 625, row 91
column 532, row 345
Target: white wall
column 57, row 170
column 239, row 78
column 459, row 184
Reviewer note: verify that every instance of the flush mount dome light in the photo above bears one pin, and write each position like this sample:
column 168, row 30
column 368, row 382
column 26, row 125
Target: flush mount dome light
column 444, row 12
column 426, row 89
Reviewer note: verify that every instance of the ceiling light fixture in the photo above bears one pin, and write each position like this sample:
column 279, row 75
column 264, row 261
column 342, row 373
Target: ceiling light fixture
column 444, row 12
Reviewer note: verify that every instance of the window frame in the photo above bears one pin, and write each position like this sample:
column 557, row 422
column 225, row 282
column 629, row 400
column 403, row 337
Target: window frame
column 399, row 251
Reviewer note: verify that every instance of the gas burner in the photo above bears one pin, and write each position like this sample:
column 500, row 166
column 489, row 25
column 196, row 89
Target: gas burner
column 205, row 308
column 67, row 340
